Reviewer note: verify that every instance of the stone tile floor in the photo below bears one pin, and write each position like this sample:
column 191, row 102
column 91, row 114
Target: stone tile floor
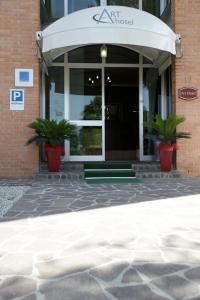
column 102, row 242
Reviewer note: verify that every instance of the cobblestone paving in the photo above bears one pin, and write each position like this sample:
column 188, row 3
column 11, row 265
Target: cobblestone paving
column 78, row 242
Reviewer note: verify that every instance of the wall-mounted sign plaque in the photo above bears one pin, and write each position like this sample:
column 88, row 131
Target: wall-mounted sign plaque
column 16, row 99
column 188, row 93
column 24, row 77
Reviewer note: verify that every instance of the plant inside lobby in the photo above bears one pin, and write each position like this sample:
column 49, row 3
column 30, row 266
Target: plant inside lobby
column 52, row 134
column 164, row 130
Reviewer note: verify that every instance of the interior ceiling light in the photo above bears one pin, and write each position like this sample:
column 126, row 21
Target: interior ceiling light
column 103, row 51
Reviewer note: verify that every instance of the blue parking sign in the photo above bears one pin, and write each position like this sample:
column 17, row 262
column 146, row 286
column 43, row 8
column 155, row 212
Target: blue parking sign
column 16, row 99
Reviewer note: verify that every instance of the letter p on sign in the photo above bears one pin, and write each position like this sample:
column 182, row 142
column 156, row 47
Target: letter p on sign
column 17, row 95
column 16, row 99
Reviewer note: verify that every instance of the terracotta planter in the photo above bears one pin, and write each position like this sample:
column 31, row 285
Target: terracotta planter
column 166, row 154
column 53, row 154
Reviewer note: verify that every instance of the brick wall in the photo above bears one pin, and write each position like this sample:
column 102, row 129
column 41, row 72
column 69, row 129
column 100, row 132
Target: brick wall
column 186, row 18
column 19, row 20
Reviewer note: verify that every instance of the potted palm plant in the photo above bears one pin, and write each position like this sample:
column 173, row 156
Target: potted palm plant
column 52, row 134
column 165, row 132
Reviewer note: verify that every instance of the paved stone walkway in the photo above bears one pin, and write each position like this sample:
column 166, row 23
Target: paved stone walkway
column 80, row 242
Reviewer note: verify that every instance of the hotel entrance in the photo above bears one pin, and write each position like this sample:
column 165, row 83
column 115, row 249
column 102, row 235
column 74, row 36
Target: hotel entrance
column 108, row 100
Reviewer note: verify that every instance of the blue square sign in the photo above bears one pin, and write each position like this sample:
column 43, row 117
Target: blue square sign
column 24, row 76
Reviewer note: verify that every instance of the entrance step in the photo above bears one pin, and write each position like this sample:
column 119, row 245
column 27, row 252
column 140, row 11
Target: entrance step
column 157, row 174
column 68, row 171
column 74, row 171
column 111, row 172
column 65, row 166
column 108, row 165
column 59, row 176
column 146, row 166
column 152, row 170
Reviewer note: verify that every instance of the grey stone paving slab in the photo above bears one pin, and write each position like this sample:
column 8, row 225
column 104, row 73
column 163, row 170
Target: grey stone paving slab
column 177, row 287
column 75, row 241
column 109, row 271
column 79, row 287
column 69, row 265
column 44, row 245
column 16, row 263
column 153, row 271
column 140, row 292
column 131, row 276
column 193, row 275
column 15, row 287
column 148, row 256
column 175, row 241
column 30, row 297
column 17, row 243
column 181, row 256
column 7, row 232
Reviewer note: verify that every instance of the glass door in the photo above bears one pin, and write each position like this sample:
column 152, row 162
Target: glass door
column 121, row 113
column 85, row 110
column 152, row 106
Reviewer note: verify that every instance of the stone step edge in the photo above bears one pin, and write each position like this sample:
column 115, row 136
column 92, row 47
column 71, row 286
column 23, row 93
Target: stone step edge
column 60, row 175
column 147, row 169
column 171, row 174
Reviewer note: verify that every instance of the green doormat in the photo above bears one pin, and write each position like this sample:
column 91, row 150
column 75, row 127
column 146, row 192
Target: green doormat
column 114, row 173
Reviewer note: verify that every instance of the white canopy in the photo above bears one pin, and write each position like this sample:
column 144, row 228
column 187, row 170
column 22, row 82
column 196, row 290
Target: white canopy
column 117, row 25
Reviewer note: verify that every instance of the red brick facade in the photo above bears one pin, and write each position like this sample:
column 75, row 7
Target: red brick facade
column 19, row 21
column 186, row 17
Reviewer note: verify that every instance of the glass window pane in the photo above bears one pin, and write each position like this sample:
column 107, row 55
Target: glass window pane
column 163, row 5
column 57, row 9
column 85, row 94
column 116, row 54
column 152, row 7
column 87, row 54
column 55, row 93
column 147, row 61
column 168, row 82
column 59, row 58
column 152, row 103
column 74, row 5
column 130, row 3
column 87, row 142
column 51, row 10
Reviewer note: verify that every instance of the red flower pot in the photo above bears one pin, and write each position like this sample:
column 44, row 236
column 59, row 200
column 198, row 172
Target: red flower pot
column 166, row 152
column 53, row 154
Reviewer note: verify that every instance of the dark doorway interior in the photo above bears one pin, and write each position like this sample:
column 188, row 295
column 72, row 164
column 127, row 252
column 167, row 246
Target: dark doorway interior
column 121, row 113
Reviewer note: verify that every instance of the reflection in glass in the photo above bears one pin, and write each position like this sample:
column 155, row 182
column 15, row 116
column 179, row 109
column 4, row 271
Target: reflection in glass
column 51, row 10
column 168, row 83
column 59, row 58
column 55, row 93
column 130, row 3
column 85, row 94
column 152, row 103
column 91, row 54
column 152, row 7
column 147, row 61
column 74, row 5
column 121, row 55
column 87, row 54
column 87, row 142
